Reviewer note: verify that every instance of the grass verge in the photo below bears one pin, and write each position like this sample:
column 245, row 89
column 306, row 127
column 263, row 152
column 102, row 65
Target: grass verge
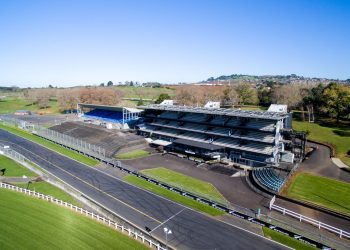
column 172, row 195
column 285, row 240
column 334, row 134
column 30, row 223
column 11, row 104
column 14, row 169
column 55, row 147
column 187, row 183
column 133, row 154
column 48, row 189
column 321, row 191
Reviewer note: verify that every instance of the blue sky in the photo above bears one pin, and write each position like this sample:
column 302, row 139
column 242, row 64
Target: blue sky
column 88, row 42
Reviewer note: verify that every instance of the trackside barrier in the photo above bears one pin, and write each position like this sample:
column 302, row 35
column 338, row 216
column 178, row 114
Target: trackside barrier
column 251, row 218
column 302, row 218
column 118, row 227
column 74, row 143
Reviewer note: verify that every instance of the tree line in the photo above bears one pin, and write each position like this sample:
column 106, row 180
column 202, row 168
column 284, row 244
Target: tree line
column 332, row 100
column 68, row 99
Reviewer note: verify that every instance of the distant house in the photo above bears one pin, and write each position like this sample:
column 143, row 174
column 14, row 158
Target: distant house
column 23, row 112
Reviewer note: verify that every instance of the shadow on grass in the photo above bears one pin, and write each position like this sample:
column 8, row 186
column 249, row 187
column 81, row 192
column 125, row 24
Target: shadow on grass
column 331, row 123
column 342, row 133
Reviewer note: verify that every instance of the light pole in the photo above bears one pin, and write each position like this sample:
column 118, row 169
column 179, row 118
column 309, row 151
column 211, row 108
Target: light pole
column 167, row 231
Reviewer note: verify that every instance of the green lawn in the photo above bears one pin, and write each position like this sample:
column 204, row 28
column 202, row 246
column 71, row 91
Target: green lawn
column 322, row 191
column 173, row 196
column 13, row 169
column 133, row 154
column 48, row 189
column 339, row 136
column 11, row 104
column 145, row 93
column 285, row 240
column 187, row 183
column 30, row 223
column 50, row 145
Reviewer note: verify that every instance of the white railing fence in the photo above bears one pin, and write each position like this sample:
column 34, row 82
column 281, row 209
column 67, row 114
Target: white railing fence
column 302, row 218
column 119, row 227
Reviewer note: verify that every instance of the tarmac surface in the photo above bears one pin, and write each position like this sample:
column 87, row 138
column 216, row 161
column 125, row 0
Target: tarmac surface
column 320, row 163
column 191, row 230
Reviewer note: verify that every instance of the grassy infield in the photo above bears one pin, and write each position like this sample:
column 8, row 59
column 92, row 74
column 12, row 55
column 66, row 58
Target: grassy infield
column 30, row 223
column 40, row 220
column 322, row 191
column 13, row 169
column 185, row 182
column 179, row 180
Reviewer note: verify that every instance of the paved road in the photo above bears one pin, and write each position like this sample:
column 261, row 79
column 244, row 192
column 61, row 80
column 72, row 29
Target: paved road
column 320, row 163
column 191, row 230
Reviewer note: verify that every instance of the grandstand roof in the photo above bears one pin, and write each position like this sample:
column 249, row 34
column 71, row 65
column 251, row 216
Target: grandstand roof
column 198, row 144
column 220, row 111
column 106, row 107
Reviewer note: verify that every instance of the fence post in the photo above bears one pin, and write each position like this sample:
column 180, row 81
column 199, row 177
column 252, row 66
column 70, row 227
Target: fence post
column 341, row 233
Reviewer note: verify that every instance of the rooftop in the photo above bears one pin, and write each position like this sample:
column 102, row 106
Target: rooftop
column 106, row 107
column 220, row 111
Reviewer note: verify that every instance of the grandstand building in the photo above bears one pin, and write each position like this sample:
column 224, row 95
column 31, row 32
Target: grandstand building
column 114, row 117
column 251, row 138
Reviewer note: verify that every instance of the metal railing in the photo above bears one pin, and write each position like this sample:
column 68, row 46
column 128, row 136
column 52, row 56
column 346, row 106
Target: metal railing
column 69, row 141
column 119, row 227
column 302, row 218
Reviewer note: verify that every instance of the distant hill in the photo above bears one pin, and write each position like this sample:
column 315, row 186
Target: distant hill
column 281, row 79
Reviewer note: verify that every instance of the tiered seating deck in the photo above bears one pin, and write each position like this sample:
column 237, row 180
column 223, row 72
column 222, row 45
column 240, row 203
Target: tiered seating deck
column 269, row 179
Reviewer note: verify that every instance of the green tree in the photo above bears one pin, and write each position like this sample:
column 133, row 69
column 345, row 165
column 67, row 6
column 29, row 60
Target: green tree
column 246, row 94
column 337, row 100
column 109, row 83
column 162, row 97
column 264, row 97
column 140, row 102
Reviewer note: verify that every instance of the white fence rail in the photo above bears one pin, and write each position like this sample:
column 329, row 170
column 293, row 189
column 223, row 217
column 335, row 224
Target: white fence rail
column 314, row 222
column 119, row 227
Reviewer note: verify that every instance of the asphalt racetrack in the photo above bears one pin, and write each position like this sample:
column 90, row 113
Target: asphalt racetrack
column 190, row 229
